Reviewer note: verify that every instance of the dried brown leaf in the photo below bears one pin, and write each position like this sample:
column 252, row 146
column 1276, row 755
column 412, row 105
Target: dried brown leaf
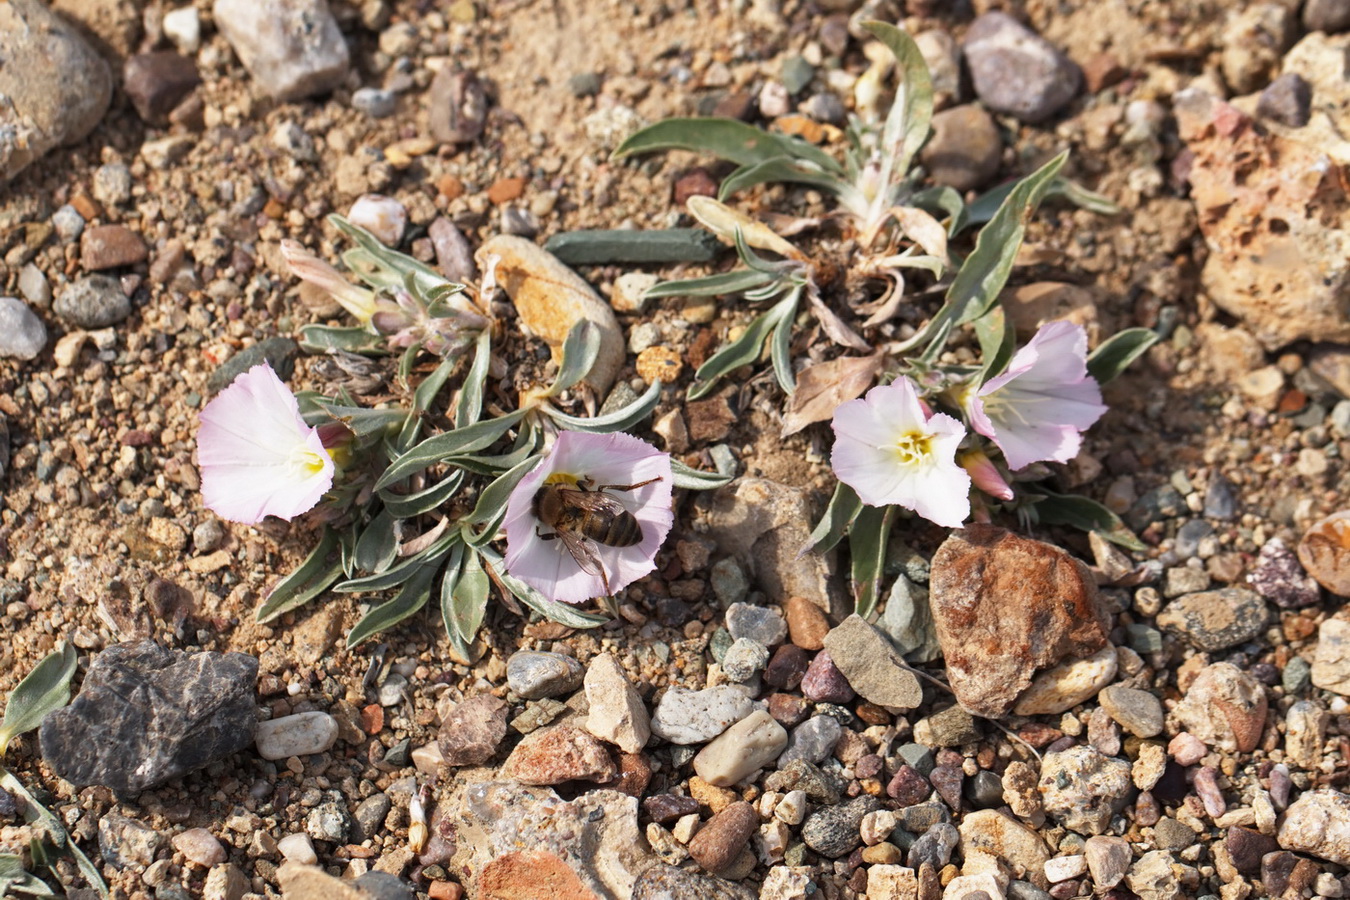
column 821, row 388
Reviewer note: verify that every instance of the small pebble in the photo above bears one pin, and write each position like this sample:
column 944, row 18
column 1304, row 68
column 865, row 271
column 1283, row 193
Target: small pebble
column 375, row 102
column 22, row 333
column 296, row 735
column 534, row 675
column 298, row 848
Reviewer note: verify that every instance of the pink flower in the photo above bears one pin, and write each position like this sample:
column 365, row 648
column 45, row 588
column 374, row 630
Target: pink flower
column 985, row 475
column 1039, row 407
column 891, row 452
column 258, row 457
column 613, row 486
column 356, row 300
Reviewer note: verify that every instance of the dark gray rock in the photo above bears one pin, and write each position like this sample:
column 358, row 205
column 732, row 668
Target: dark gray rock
column 1016, row 71
column 813, row 741
column 383, row 886
column 370, row 815
column 278, row 352
column 1220, row 499
column 1330, row 16
column 663, row 882
column 934, row 846
column 835, row 830
column 1216, row 620
column 95, row 301
column 762, row 624
column 146, row 715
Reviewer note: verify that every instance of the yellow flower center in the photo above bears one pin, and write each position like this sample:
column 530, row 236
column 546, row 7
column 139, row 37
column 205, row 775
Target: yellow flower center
column 913, row 449
column 309, row 460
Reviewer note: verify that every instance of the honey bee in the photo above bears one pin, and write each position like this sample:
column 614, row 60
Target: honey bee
column 583, row 516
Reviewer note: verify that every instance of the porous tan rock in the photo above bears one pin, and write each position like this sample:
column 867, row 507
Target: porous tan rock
column 1325, row 552
column 1224, row 707
column 1005, row 607
column 556, row 754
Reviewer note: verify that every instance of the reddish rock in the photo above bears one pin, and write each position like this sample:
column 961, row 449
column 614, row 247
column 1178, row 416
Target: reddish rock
column 666, row 808
column 908, row 787
column 786, row 667
column 1101, row 71
column 1005, row 607
column 1224, row 707
column 529, row 875
column 557, row 754
column 472, row 731
column 788, row 709
column 694, row 183
column 824, row 683
column 719, row 842
column 372, row 719
column 807, row 623
column 110, row 246
column 157, row 82
column 1325, row 552
column 710, row 420
column 635, row 773
column 504, row 190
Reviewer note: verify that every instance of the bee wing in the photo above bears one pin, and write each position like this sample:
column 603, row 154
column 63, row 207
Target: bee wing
column 582, row 552
column 591, row 501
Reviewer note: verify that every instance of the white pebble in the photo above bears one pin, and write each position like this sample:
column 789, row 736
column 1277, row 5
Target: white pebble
column 382, row 216
column 184, row 28
column 297, row 735
column 1062, row 868
column 792, row 808
column 298, row 848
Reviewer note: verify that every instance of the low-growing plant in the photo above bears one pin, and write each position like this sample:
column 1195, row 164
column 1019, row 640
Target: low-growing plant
column 414, row 494
column 43, row 691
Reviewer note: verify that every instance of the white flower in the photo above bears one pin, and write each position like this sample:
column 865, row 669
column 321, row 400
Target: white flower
column 562, row 564
column 258, row 457
column 891, row 451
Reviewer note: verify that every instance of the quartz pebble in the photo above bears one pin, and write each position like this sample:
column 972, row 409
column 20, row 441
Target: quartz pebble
column 1331, row 661
column 292, row 48
column 382, row 216
column 1068, row 684
column 298, row 847
column 200, row 847
column 617, row 713
column 296, row 735
column 751, row 743
column 534, row 675
column 1318, row 823
column 1108, row 859
column 694, row 717
column 22, row 334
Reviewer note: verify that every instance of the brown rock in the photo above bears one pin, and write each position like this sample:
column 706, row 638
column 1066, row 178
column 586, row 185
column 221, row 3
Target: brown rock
column 472, row 731
column 457, row 106
column 635, row 773
column 157, row 82
column 1325, row 552
column 719, row 842
column 1279, row 246
column 1101, row 71
column 786, row 667
column 110, row 246
column 1224, row 707
column 710, row 420
column 694, row 183
column 807, row 623
column 504, row 190
column 1006, row 606
column 1030, row 306
column 966, row 148
column 557, row 754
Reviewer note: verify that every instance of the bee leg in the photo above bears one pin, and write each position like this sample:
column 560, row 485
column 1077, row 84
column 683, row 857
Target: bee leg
column 551, row 536
column 626, row 487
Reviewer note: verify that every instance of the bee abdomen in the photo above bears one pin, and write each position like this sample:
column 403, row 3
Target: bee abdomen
column 623, row 530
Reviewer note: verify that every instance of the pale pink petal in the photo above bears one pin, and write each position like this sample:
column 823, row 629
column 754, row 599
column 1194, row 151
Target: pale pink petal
column 608, row 459
column 257, row 455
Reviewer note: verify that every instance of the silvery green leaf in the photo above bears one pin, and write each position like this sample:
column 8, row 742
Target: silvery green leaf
column 994, row 331
column 464, row 603
column 400, row 573
column 322, row 338
column 579, row 352
column 620, row 420
column 745, row 349
column 364, row 421
column 843, row 508
column 1082, row 513
column 728, row 139
column 942, row 199
column 683, row 476
column 780, row 354
column 377, row 547
column 35, row 813
column 1117, row 352
column 984, row 206
column 385, row 269
column 311, row 578
column 414, row 594
column 43, row 690
column 14, row 879
column 907, row 123
column 492, row 501
column 495, row 465
column 470, row 438
column 426, row 392
column 668, row 245
column 780, row 170
column 867, row 547
column 406, row 506
column 469, row 406
column 562, row 613
column 733, row 282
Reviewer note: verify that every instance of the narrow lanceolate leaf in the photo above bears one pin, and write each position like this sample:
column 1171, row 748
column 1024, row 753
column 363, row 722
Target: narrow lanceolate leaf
column 1117, row 352
column 597, row 248
column 562, row 613
column 322, row 338
column 365, row 422
column 406, row 506
column 727, row 139
column 821, row 388
column 42, row 690
column 976, row 286
column 1085, row 514
column 780, row 353
column 470, row 438
column 695, row 479
column 734, row 282
column 400, row 573
column 579, row 353
column 321, row 568
column 492, row 501
column 387, row 269
column 34, row 813
column 839, row 515
column 426, row 392
column 469, row 406
column 465, row 603
column 15, row 880
column 997, row 339
column 744, row 350
column 377, row 547
column 867, row 546
column 907, row 123
column 619, row 420
column 779, row 171
column 414, row 595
